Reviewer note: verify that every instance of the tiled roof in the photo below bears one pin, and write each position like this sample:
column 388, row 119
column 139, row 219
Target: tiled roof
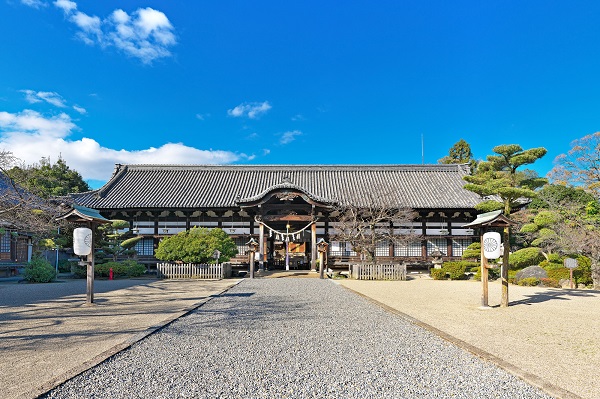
column 219, row 186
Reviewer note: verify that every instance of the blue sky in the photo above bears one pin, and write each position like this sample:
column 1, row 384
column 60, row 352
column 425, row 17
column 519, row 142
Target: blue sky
column 306, row 82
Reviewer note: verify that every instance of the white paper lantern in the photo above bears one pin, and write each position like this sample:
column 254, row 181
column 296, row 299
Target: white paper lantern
column 492, row 248
column 82, row 241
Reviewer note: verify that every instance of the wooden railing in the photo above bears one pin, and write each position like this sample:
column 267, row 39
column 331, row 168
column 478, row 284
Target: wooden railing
column 192, row 270
column 378, row 272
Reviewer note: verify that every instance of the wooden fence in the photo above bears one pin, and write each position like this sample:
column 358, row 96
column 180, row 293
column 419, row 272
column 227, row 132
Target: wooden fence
column 192, row 270
column 378, row 272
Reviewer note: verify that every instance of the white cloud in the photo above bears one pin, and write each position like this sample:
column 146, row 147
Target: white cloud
column 146, row 34
column 266, row 151
column 202, row 117
column 288, row 137
column 79, row 109
column 31, row 136
column 250, row 110
column 298, row 117
column 34, row 3
column 51, row 97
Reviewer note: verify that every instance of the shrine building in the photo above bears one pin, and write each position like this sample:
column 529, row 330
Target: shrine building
column 290, row 205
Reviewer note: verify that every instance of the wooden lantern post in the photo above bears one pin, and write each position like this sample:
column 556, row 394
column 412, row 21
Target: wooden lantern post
column 91, row 218
column 484, row 221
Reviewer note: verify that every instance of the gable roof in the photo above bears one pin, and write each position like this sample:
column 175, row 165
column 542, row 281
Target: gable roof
column 221, row 186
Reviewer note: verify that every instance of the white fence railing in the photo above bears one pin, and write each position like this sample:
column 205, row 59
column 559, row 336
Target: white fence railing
column 193, row 270
column 378, row 272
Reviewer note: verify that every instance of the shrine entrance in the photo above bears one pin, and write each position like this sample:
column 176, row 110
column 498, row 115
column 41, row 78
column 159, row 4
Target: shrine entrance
column 286, row 215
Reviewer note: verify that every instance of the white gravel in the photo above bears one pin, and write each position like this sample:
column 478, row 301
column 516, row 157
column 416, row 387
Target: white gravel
column 294, row 338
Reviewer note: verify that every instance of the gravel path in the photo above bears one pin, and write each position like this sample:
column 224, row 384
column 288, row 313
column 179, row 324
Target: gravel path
column 293, row 338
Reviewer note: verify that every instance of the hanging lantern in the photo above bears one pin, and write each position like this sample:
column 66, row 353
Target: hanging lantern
column 491, row 245
column 82, row 241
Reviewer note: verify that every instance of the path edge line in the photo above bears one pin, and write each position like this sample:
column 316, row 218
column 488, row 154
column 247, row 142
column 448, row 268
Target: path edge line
column 116, row 349
column 526, row 376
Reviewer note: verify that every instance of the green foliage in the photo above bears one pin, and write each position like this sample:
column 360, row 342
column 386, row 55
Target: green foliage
column 438, row 274
column 456, row 270
column 499, row 176
column 525, row 257
column 529, row 282
column 545, row 235
column 127, row 268
column 115, row 241
column 196, row 246
column 559, row 273
column 529, row 228
column 473, row 251
column 545, row 218
column 64, row 266
column 39, row 270
column 552, row 195
column 489, row 206
column 550, row 282
column 49, row 180
column 460, row 153
column 493, row 274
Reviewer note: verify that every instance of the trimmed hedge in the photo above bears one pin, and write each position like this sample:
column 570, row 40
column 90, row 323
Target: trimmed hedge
column 127, row 268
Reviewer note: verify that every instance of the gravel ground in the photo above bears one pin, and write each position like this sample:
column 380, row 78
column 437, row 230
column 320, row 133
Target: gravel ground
column 293, row 338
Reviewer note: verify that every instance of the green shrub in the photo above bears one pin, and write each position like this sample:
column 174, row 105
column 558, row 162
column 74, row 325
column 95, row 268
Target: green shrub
column 39, row 270
column 456, row 270
column 493, row 274
column 550, row 282
column 525, row 257
column 64, row 266
column 196, row 246
column 529, row 228
column 558, row 273
column 529, row 282
column 473, row 251
column 127, row 268
column 545, row 218
column 438, row 274
column 583, row 273
column 551, row 265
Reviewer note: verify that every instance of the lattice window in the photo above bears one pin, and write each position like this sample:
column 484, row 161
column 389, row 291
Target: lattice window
column 341, row 248
column 145, row 247
column 242, row 245
column 439, row 243
column 412, row 249
column 5, row 242
column 459, row 246
column 382, row 248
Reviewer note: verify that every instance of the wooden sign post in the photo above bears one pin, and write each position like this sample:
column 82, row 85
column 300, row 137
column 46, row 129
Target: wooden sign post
column 571, row 264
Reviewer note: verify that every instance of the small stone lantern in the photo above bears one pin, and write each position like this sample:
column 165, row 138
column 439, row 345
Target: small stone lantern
column 437, row 261
column 322, row 248
column 252, row 247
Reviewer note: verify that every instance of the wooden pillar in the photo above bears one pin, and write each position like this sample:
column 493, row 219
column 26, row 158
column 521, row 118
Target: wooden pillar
column 313, row 246
column 90, row 270
column 261, row 248
column 187, row 221
column 484, row 274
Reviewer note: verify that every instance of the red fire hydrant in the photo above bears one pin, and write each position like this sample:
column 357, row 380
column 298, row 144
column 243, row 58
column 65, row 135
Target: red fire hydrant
column 110, row 274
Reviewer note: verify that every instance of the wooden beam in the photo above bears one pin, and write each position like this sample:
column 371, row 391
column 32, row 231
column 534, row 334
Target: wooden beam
column 290, row 218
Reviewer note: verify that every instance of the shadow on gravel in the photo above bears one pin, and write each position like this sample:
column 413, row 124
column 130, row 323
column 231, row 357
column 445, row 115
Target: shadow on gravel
column 561, row 295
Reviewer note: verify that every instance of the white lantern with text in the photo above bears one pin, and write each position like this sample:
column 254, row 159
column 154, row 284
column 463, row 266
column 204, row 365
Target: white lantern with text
column 492, row 245
column 82, row 241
